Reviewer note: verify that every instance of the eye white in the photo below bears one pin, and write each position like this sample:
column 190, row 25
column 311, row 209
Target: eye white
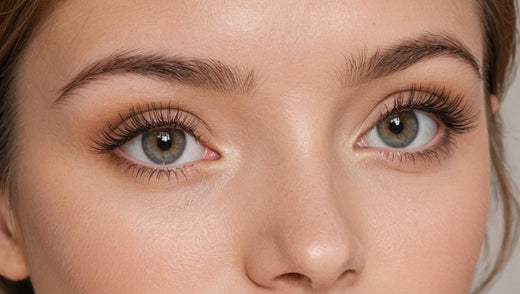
column 193, row 151
column 427, row 128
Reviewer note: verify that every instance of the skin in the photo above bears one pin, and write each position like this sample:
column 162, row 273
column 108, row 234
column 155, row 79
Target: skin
column 291, row 206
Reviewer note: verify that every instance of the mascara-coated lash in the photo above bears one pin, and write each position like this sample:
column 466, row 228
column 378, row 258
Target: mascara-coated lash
column 452, row 112
column 141, row 119
column 144, row 118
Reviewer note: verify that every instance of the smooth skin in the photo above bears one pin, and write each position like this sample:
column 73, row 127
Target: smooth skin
column 290, row 205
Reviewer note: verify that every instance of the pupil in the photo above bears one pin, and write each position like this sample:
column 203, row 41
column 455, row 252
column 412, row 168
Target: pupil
column 395, row 125
column 164, row 141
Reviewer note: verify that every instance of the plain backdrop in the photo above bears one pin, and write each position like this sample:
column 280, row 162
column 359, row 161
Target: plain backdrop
column 509, row 282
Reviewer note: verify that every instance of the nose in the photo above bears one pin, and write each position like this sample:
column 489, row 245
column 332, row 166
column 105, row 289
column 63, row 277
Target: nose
column 306, row 239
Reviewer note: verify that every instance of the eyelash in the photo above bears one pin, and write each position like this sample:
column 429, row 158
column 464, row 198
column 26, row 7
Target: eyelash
column 141, row 119
column 454, row 113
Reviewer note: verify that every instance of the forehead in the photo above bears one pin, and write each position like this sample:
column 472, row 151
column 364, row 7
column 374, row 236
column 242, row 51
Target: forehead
column 259, row 34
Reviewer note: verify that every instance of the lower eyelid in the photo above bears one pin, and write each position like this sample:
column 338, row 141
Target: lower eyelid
column 149, row 174
column 414, row 160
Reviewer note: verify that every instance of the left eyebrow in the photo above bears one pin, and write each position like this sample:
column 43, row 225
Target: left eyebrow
column 197, row 72
column 390, row 60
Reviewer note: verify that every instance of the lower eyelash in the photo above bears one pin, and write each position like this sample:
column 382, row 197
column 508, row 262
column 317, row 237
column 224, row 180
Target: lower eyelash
column 443, row 148
column 147, row 173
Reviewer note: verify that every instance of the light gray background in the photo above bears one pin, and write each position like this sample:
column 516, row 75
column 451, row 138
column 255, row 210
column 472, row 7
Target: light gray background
column 509, row 282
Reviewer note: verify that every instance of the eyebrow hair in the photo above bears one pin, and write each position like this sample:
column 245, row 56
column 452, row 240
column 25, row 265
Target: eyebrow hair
column 214, row 74
column 200, row 73
column 383, row 62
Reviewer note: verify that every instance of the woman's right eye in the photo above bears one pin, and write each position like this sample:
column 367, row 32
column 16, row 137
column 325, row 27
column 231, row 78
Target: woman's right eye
column 164, row 147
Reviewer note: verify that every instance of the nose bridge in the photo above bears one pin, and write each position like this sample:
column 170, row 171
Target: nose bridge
column 302, row 180
column 310, row 227
column 308, row 235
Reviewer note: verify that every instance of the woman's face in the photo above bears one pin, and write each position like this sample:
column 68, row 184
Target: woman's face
column 253, row 147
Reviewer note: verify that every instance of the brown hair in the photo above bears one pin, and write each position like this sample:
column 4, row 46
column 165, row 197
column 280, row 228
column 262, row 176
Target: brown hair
column 19, row 19
column 500, row 37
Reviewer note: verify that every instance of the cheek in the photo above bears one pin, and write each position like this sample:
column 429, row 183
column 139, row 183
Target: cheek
column 429, row 227
column 84, row 233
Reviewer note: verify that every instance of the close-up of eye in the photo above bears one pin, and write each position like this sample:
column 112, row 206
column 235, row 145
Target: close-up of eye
column 405, row 130
column 155, row 140
column 420, row 122
column 164, row 147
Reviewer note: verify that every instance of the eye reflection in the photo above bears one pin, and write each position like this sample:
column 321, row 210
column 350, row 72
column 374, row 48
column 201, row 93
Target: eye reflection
column 408, row 129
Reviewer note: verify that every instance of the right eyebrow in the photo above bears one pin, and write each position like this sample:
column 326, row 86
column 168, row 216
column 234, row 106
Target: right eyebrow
column 199, row 73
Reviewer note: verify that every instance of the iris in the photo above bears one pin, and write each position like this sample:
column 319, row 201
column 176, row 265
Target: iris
column 400, row 130
column 164, row 146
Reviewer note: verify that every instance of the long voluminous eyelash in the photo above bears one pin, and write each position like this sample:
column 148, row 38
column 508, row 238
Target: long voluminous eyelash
column 141, row 119
column 452, row 111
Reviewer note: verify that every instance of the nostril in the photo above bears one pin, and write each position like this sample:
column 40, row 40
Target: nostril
column 295, row 278
column 301, row 280
column 348, row 276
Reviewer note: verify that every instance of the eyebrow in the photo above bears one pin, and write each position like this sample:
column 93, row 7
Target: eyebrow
column 386, row 61
column 215, row 75
column 200, row 73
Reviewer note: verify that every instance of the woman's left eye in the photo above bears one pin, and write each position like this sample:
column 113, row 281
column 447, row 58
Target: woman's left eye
column 404, row 130
column 164, row 147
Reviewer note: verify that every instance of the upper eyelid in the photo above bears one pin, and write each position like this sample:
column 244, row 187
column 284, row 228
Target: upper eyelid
column 414, row 99
column 119, row 131
column 156, row 112
column 157, row 108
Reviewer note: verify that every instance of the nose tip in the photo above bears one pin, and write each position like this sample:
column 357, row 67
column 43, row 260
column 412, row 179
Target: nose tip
column 325, row 263
column 302, row 235
column 317, row 257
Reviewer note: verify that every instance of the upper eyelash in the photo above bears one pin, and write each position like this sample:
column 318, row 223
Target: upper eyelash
column 454, row 112
column 144, row 118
